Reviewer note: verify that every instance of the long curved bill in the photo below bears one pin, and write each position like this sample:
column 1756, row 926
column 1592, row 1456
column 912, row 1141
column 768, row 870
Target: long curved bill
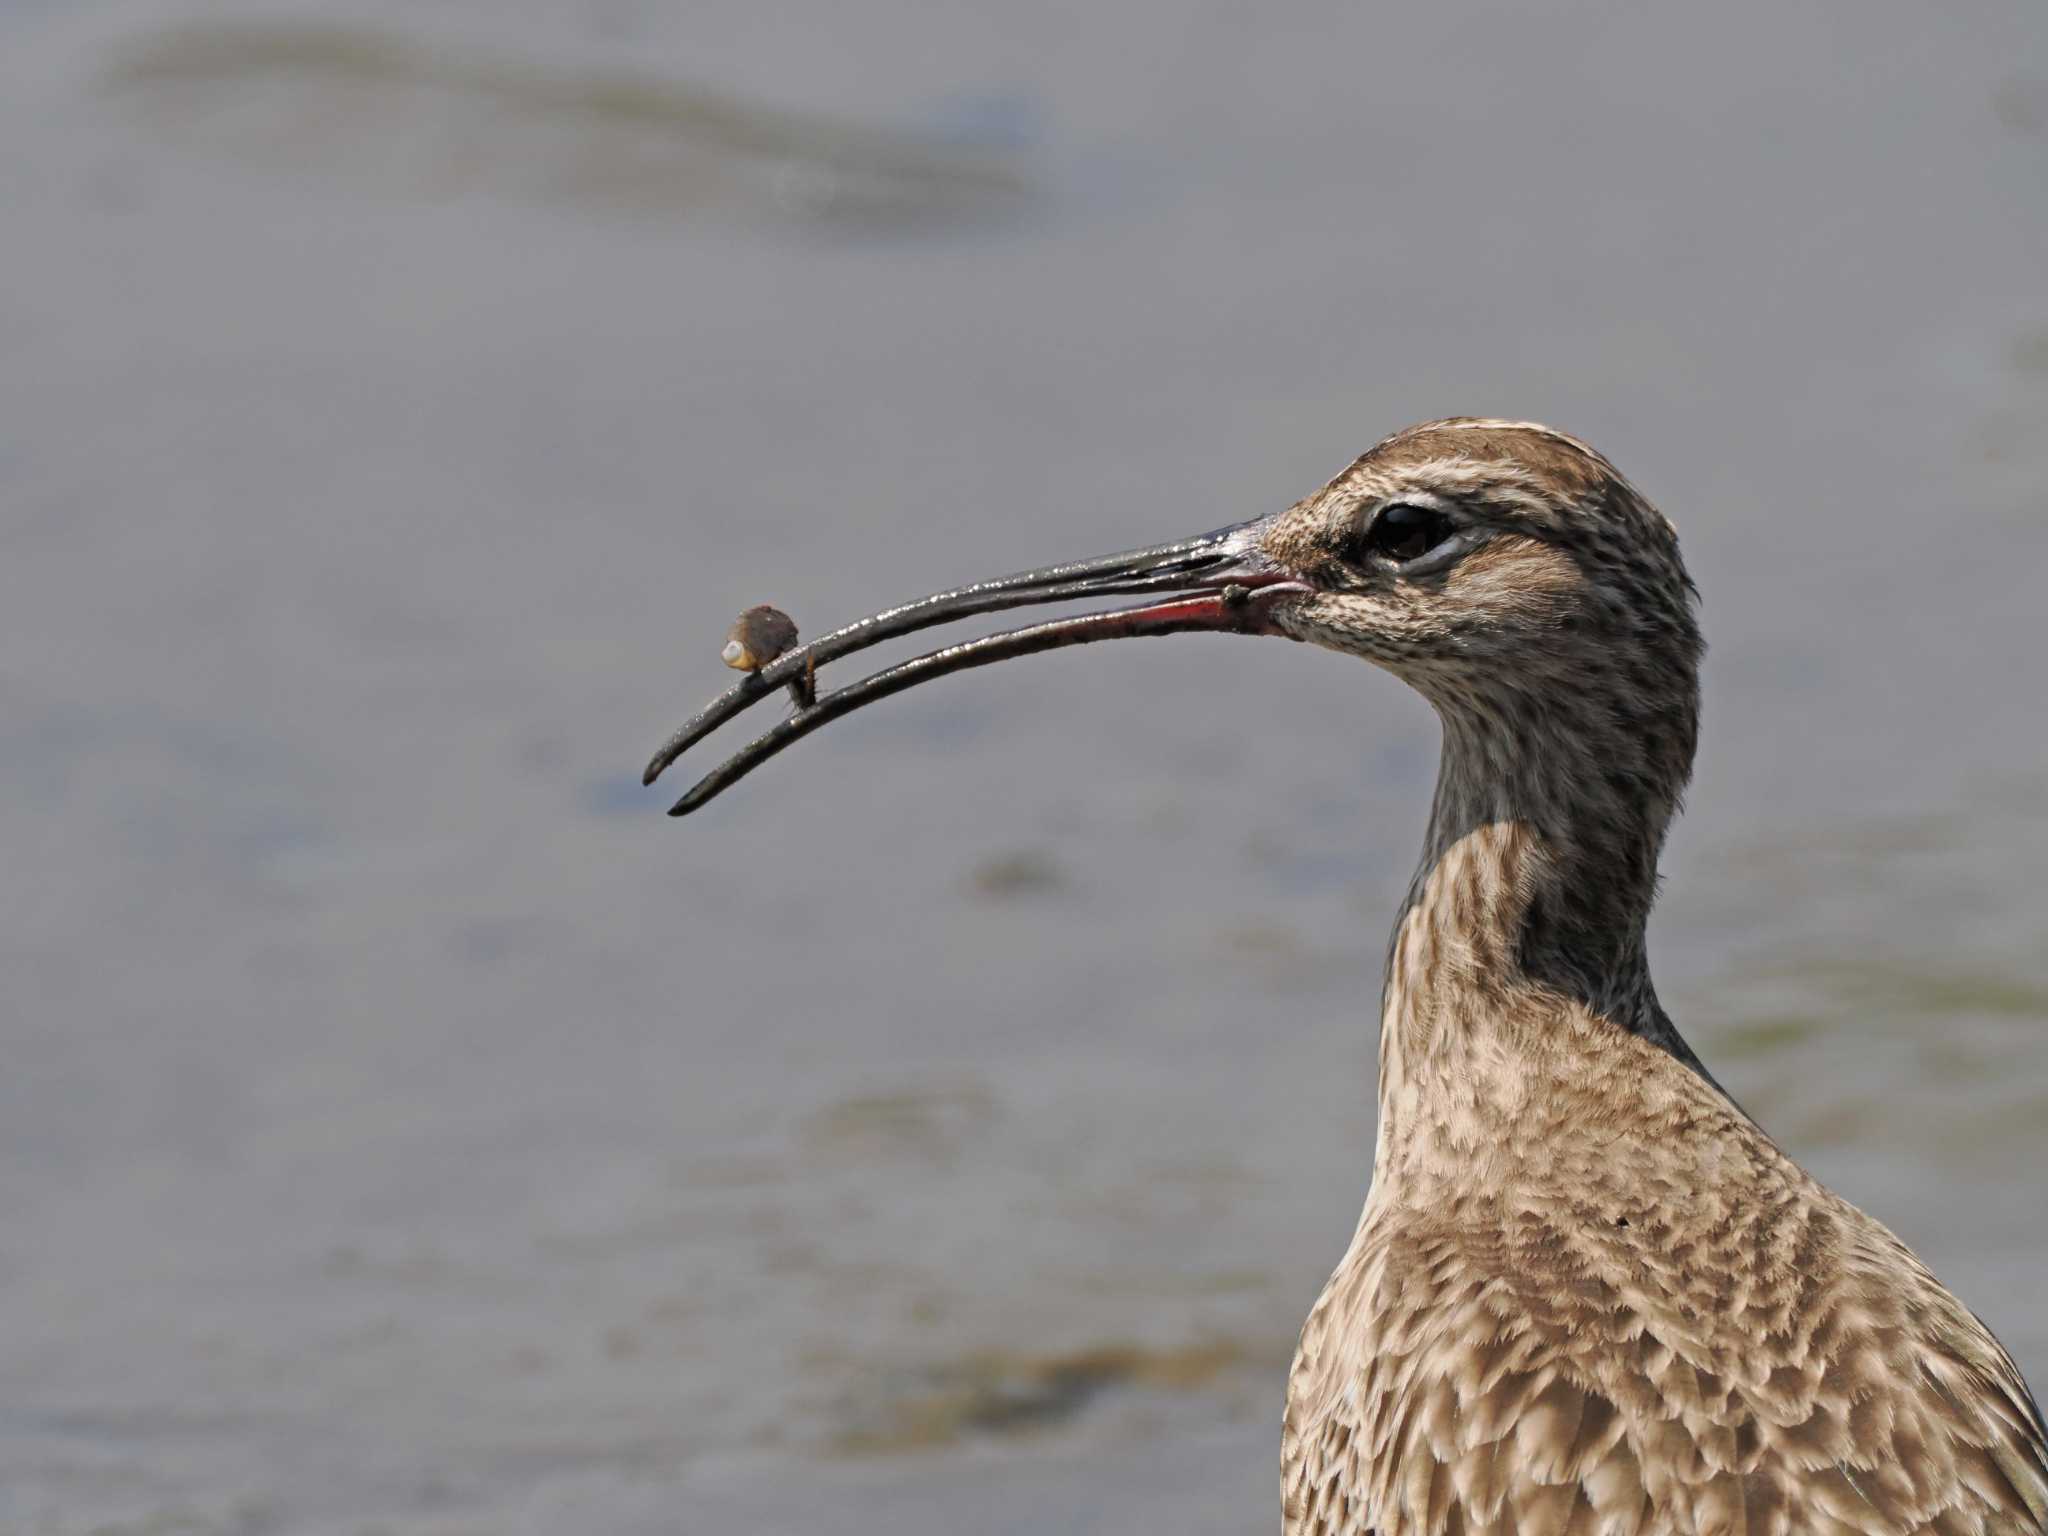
column 1219, row 581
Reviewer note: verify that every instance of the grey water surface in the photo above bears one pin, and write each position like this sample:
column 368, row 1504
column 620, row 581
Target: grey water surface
column 408, row 1130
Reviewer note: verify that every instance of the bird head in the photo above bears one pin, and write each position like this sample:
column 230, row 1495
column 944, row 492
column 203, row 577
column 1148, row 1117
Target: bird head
column 1484, row 560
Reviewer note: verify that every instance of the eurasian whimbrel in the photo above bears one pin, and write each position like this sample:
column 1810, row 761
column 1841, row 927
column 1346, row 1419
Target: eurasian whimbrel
column 1588, row 1293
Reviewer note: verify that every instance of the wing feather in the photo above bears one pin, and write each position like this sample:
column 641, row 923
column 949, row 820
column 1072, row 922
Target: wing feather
column 1874, row 1405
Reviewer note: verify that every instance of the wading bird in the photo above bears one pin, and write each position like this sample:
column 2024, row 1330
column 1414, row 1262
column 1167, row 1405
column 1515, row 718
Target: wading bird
column 1588, row 1293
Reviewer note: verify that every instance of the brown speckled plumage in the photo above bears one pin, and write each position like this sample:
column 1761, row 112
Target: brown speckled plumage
column 1589, row 1294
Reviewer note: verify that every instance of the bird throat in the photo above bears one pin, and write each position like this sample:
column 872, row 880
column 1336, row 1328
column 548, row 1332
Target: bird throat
column 1523, row 933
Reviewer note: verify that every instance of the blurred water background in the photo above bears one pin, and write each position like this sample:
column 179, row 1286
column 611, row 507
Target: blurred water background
column 409, row 1130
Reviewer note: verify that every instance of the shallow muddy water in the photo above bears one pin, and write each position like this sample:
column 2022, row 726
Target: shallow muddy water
column 409, row 1129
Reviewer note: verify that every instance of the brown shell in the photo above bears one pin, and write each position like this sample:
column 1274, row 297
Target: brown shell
column 757, row 637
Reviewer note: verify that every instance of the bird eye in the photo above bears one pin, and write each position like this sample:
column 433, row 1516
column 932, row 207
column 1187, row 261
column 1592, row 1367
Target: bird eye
column 1405, row 531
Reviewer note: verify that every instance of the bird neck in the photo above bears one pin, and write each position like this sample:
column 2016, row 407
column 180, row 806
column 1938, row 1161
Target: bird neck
column 1523, row 933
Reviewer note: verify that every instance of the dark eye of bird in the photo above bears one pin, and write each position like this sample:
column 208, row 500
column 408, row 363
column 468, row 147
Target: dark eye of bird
column 1406, row 532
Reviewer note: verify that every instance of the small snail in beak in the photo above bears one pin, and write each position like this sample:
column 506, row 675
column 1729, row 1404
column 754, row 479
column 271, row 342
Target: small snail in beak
column 760, row 635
